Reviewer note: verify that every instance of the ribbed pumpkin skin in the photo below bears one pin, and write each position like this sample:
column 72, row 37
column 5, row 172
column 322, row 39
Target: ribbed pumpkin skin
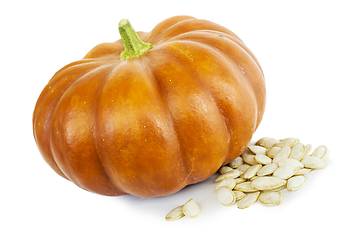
column 149, row 126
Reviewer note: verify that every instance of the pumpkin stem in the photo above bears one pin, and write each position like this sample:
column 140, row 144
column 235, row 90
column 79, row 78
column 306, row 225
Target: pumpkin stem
column 133, row 45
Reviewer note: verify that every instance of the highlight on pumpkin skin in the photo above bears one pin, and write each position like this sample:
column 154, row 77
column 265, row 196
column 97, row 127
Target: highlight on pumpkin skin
column 133, row 45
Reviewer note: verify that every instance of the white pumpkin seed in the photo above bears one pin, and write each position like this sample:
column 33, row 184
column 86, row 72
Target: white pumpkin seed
column 242, row 168
column 236, row 162
column 307, row 149
column 271, row 152
column 268, row 183
column 303, row 171
column 227, row 182
column 257, row 149
column 175, row 214
column 267, row 169
column 239, row 194
column 270, row 198
column 313, row 162
column 251, row 171
column 287, row 142
column 191, row 208
column 253, row 178
column 231, row 174
column 283, row 153
column 225, row 196
column 245, row 187
column 239, row 180
column 267, row 142
column 225, row 169
column 279, row 188
column 320, row 152
column 290, row 162
column 248, row 200
column 285, row 172
column 297, row 151
column 262, row 159
column 249, row 159
column 295, row 183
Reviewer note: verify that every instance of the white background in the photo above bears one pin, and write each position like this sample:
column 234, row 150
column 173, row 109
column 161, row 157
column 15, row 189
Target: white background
column 309, row 51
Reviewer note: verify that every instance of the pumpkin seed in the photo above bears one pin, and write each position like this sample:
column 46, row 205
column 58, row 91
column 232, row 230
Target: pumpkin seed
column 267, row 142
column 257, row 149
column 270, row 198
column 290, row 162
column 236, row 162
column 225, row 196
column 287, row 142
column 303, row 171
column 254, row 177
column 248, row 200
column 239, row 180
column 245, row 187
column 242, row 168
column 279, row 188
column 231, row 174
column 268, row 183
column 251, row 171
column 248, row 157
column 227, row 182
column 225, row 169
column 267, row 170
column 191, row 208
column 239, row 194
column 283, row 153
column 295, row 183
column 297, row 151
column 175, row 214
column 307, row 149
column 262, row 159
column 271, row 152
column 313, row 162
column 285, row 172
column 320, row 151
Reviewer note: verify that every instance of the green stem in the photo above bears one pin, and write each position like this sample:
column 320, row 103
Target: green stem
column 133, row 45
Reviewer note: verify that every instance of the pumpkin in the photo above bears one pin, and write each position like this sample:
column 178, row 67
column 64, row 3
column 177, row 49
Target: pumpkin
column 152, row 112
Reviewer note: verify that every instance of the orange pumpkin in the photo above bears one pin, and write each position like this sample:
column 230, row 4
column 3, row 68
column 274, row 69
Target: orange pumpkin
column 151, row 113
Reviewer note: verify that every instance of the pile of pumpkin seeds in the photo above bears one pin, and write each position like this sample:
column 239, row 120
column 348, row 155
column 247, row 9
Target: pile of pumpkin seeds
column 266, row 168
column 260, row 173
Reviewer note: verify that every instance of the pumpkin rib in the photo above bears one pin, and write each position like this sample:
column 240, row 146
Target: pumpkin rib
column 191, row 91
column 194, row 36
column 231, row 66
column 164, row 93
column 183, row 155
column 257, row 86
column 124, row 151
column 51, row 120
column 42, row 112
column 214, row 42
column 97, row 140
column 159, row 28
column 160, row 89
column 237, row 41
column 66, row 163
column 189, row 25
